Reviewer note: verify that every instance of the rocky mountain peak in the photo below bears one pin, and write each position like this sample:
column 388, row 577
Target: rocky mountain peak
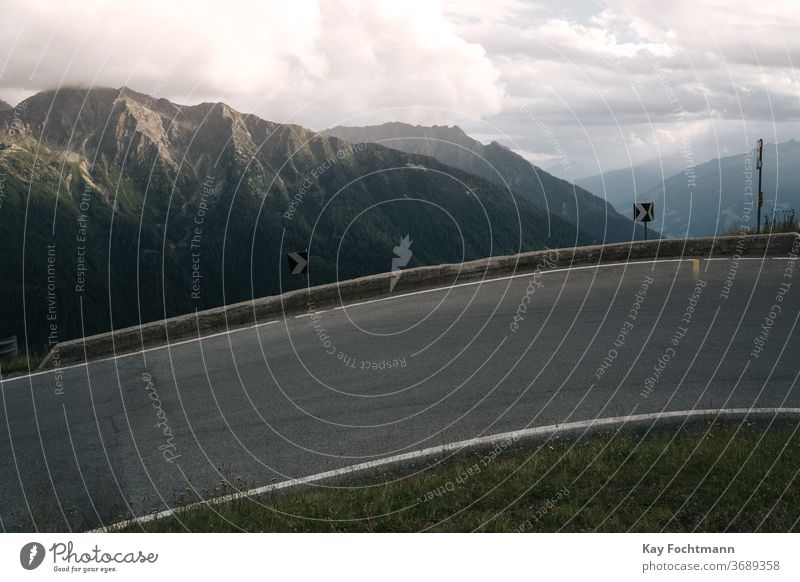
column 396, row 131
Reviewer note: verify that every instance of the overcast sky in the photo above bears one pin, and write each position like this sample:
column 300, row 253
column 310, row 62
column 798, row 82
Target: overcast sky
column 575, row 85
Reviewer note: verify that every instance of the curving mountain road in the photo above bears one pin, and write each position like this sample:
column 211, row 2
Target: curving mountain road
column 329, row 389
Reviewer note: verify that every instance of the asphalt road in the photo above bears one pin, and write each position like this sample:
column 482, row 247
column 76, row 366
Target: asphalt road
column 316, row 392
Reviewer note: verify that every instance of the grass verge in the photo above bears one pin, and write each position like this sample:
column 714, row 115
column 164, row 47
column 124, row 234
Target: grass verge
column 21, row 364
column 708, row 476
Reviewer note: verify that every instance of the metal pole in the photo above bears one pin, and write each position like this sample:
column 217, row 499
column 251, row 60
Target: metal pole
column 760, row 193
column 645, row 231
column 760, row 201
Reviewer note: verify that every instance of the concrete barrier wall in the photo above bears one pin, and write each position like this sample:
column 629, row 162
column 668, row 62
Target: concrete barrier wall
column 249, row 313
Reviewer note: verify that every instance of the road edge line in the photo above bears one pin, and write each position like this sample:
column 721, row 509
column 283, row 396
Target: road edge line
column 459, row 446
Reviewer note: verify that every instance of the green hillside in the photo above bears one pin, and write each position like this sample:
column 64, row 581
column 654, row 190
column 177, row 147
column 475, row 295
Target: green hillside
column 505, row 168
column 119, row 209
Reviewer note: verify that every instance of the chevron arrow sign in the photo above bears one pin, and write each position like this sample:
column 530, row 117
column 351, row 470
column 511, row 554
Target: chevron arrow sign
column 643, row 211
column 298, row 262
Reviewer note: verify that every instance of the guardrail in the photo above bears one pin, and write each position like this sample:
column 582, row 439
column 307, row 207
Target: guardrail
column 8, row 347
column 249, row 313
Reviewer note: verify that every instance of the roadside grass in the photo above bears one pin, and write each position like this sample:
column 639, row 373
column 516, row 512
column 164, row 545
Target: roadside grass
column 776, row 229
column 711, row 477
column 775, row 222
column 20, row 364
column 781, row 228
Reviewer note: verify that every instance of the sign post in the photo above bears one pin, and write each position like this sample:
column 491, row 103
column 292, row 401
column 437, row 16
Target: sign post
column 643, row 212
column 759, row 163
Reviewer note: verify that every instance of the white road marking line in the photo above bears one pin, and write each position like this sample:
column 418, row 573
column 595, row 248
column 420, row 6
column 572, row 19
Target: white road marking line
column 750, row 258
column 526, row 274
column 145, row 351
column 440, row 449
column 312, row 313
column 240, row 329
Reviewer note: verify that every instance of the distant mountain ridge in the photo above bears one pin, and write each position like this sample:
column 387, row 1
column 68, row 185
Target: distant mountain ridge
column 120, row 208
column 4, row 106
column 712, row 198
column 620, row 186
column 498, row 164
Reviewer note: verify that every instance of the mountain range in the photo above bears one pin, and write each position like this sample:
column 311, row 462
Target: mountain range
column 619, row 187
column 4, row 106
column 498, row 164
column 118, row 208
column 714, row 198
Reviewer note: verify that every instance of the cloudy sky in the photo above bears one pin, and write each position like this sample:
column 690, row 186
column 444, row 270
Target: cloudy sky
column 577, row 86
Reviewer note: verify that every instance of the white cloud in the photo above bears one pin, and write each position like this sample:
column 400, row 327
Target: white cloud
column 315, row 61
column 718, row 72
